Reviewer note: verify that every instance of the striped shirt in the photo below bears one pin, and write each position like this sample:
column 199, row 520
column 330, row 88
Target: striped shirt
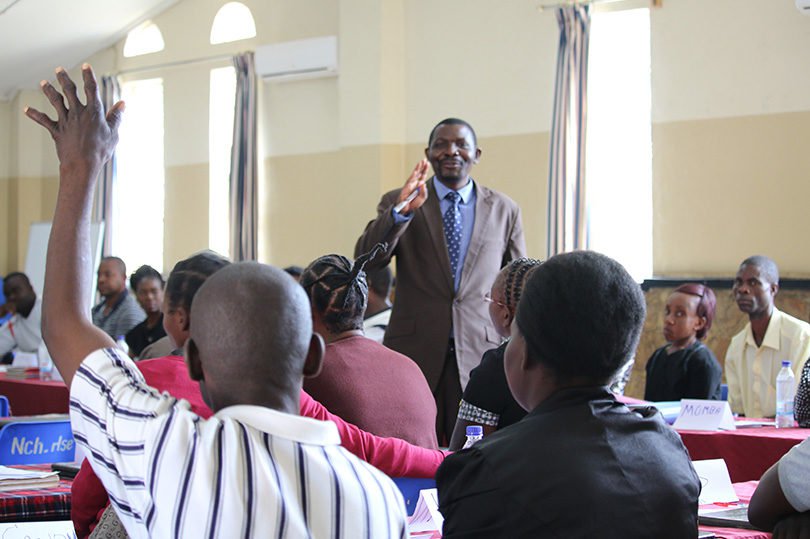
column 248, row 471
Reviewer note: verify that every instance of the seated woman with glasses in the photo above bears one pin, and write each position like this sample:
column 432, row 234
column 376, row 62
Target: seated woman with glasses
column 685, row 368
column 487, row 400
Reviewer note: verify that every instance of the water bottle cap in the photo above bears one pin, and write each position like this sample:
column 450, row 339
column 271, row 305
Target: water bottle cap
column 786, row 363
column 475, row 430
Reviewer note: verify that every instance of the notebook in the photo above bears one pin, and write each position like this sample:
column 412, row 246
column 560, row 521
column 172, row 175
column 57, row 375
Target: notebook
column 736, row 517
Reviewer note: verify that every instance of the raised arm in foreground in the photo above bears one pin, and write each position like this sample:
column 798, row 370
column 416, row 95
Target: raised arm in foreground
column 85, row 138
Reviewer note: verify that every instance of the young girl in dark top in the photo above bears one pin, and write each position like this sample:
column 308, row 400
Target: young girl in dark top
column 487, row 400
column 147, row 283
column 685, row 368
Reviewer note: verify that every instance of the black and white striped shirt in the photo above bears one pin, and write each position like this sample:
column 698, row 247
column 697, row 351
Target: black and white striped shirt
column 246, row 472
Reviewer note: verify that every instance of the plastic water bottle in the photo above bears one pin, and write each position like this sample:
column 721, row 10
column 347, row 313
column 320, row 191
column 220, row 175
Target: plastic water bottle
column 475, row 433
column 45, row 363
column 785, row 393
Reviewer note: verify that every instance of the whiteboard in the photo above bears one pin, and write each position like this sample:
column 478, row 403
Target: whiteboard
column 38, row 249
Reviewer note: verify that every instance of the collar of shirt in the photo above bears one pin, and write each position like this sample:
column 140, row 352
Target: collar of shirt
column 292, row 427
column 565, row 398
column 115, row 306
column 465, row 192
column 772, row 334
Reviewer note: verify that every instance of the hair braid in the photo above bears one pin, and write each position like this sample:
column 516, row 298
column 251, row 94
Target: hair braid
column 338, row 289
column 516, row 273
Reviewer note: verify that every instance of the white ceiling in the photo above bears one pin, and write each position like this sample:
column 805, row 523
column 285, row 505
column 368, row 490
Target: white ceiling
column 36, row 36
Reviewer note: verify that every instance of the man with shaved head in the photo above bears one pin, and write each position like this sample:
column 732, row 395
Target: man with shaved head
column 118, row 312
column 755, row 354
column 254, row 469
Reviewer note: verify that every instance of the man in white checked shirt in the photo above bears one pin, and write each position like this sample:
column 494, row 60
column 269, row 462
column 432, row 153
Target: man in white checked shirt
column 256, row 468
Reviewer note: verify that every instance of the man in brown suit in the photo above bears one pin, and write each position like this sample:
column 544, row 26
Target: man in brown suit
column 450, row 240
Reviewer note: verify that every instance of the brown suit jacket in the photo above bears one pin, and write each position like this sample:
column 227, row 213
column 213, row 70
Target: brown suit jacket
column 426, row 304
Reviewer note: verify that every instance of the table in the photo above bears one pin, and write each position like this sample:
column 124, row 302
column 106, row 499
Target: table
column 36, row 504
column 34, row 396
column 748, row 452
column 744, row 492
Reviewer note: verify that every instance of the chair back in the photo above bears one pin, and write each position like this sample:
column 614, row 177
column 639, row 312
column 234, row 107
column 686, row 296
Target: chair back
column 37, row 442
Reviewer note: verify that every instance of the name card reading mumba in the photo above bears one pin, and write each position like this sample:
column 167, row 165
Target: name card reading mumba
column 699, row 414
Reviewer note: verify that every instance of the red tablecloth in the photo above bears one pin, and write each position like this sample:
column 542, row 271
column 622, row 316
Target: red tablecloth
column 35, row 397
column 36, row 504
column 744, row 492
column 748, row 452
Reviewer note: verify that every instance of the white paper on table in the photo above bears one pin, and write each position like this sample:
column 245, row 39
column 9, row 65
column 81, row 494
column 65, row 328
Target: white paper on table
column 19, row 473
column 25, row 359
column 426, row 516
column 697, row 414
column 36, row 530
column 714, row 481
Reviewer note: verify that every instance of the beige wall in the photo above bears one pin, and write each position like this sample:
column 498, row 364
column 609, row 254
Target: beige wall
column 730, row 112
column 730, row 107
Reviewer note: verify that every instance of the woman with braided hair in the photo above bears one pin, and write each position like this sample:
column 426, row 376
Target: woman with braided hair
column 487, row 400
column 362, row 381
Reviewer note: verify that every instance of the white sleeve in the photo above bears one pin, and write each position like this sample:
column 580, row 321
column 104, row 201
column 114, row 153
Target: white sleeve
column 118, row 419
column 732, row 379
column 794, row 469
column 7, row 341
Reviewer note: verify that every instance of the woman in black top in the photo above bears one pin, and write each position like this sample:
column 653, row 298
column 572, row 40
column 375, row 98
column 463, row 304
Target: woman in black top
column 147, row 283
column 685, row 368
column 487, row 400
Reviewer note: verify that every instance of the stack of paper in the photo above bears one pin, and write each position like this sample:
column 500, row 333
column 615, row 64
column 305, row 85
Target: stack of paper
column 17, row 478
column 22, row 373
column 426, row 517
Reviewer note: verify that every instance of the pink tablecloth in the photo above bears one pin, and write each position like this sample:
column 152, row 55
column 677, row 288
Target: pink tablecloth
column 35, row 397
column 748, row 452
column 744, row 492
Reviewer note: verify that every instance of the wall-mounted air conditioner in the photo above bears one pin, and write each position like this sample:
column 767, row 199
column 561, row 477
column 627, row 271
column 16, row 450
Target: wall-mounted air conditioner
column 300, row 59
column 803, row 6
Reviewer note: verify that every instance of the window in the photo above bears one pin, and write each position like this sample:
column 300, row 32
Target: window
column 144, row 39
column 137, row 227
column 232, row 22
column 220, row 140
column 619, row 146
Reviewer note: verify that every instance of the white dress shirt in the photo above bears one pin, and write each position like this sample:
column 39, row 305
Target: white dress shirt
column 248, row 471
column 374, row 326
column 751, row 370
column 23, row 333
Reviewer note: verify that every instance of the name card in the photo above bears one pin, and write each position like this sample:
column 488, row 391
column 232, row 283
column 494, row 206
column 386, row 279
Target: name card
column 426, row 517
column 715, row 482
column 699, row 414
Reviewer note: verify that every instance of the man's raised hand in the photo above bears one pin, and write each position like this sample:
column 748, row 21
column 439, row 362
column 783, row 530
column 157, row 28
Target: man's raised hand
column 414, row 184
column 85, row 136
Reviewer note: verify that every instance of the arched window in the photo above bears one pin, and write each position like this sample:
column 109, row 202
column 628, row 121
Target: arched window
column 144, row 39
column 233, row 22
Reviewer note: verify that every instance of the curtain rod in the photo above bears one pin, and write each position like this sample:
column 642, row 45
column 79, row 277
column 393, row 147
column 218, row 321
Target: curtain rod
column 546, row 7
column 178, row 63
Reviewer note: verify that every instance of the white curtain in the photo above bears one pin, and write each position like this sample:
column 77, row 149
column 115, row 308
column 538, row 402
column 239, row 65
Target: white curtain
column 566, row 183
column 244, row 165
column 103, row 203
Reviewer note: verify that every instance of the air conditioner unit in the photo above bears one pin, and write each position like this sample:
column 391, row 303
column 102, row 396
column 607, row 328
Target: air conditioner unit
column 300, row 59
column 803, row 6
